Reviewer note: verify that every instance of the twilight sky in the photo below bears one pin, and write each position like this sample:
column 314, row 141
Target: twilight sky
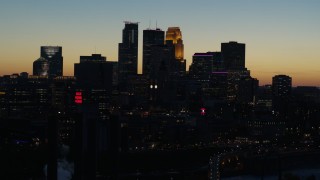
column 281, row 36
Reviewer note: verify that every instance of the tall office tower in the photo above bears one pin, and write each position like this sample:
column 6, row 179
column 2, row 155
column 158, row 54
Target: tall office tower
column 233, row 55
column 128, row 51
column 94, row 72
column 54, row 55
column 162, row 55
column 281, row 86
column 151, row 38
column 62, row 97
column 94, row 79
column 41, row 67
column 281, row 92
column 174, row 34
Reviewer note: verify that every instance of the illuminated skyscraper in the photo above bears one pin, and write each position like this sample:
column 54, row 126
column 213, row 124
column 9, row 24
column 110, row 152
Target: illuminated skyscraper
column 151, row 38
column 41, row 67
column 128, row 51
column 54, row 55
column 174, row 34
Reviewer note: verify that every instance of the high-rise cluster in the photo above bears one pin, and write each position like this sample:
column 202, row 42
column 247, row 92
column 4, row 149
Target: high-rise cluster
column 224, row 73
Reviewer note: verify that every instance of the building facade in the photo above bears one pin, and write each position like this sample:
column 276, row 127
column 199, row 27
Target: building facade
column 174, row 37
column 151, row 38
column 233, row 54
column 54, row 56
column 41, row 67
column 128, row 51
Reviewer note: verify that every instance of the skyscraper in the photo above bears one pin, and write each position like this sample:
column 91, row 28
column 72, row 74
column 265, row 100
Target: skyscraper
column 162, row 55
column 174, row 36
column 94, row 76
column 281, row 86
column 202, row 65
column 128, row 51
column 281, row 92
column 233, row 55
column 54, row 55
column 41, row 67
column 151, row 38
column 94, row 72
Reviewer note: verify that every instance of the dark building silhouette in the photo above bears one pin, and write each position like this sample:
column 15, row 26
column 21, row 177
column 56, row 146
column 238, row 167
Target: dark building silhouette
column 86, row 142
column 41, row 67
column 95, row 78
column 307, row 93
column 202, row 65
column 241, row 86
column 63, row 89
column 52, row 169
column 247, row 89
column 281, row 86
column 281, row 93
column 94, row 72
column 210, row 81
column 54, row 55
column 218, row 86
column 264, row 98
column 94, row 87
column 151, row 38
column 26, row 97
column 233, row 55
column 128, row 51
column 24, row 75
column 162, row 55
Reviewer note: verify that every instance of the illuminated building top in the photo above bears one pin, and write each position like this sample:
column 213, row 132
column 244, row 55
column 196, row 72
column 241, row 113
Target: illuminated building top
column 174, row 34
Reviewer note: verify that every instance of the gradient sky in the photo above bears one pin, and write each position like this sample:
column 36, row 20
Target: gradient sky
column 281, row 36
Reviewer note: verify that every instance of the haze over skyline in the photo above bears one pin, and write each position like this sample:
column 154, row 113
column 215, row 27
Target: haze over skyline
column 280, row 37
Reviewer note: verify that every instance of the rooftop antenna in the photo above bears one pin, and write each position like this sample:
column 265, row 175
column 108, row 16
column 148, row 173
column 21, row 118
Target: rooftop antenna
column 149, row 23
column 156, row 24
column 95, row 50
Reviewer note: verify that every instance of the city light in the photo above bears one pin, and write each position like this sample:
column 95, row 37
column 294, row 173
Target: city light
column 78, row 98
column 203, row 111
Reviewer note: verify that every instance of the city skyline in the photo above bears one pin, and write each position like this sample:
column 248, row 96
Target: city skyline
column 150, row 89
column 281, row 37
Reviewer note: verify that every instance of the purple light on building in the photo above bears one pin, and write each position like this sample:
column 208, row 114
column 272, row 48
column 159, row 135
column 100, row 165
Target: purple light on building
column 220, row 72
column 203, row 54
